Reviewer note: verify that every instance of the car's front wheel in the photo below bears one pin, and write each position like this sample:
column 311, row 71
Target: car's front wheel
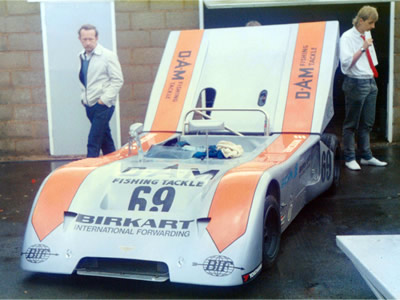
column 271, row 231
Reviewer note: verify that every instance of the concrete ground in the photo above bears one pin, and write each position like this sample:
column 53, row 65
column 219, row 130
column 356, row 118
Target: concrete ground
column 310, row 265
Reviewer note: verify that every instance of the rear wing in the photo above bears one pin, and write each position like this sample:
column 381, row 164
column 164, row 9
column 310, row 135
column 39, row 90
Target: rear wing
column 285, row 70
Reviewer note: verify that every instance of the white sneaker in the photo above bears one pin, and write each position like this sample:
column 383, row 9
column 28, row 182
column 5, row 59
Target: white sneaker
column 352, row 165
column 373, row 162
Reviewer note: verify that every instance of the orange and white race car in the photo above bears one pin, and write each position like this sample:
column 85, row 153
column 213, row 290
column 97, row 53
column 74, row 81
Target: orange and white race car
column 232, row 148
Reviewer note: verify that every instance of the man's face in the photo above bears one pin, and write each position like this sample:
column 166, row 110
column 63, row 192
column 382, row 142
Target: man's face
column 366, row 25
column 88, row 39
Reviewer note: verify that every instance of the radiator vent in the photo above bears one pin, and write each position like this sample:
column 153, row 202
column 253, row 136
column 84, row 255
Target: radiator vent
column 123, row 268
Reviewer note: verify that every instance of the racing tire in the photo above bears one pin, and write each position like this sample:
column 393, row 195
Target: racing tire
column 332, row 142
column 271, row 231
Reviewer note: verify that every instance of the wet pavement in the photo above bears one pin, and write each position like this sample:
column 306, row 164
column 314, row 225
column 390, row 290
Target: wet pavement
column 310, row 265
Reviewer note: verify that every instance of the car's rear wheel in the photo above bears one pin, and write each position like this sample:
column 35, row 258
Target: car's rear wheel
column 332, row 142
column 271, row 231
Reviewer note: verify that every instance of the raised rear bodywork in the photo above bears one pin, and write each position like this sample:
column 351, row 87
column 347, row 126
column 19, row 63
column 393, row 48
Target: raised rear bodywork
column 154, row 211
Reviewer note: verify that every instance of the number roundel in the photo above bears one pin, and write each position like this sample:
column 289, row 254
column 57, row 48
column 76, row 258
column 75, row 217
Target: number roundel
column 326, row 166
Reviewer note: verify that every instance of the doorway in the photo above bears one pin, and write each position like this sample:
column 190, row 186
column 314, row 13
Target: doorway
column 344, row 13
column 68, row 125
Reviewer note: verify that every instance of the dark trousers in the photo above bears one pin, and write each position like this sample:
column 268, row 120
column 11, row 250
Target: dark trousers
column 100, row 132
column 360, row 98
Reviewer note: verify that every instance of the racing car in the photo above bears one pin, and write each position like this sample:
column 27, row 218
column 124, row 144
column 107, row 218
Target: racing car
column 232, row 147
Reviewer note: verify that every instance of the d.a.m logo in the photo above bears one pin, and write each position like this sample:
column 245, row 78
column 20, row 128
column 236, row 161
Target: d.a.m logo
column 37, row 253
column 218, row 265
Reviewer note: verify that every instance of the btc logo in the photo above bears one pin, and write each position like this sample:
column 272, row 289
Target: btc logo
column 37, row 253
column 218, row 265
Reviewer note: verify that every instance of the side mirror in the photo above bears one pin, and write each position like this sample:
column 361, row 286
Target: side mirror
column 134, row 131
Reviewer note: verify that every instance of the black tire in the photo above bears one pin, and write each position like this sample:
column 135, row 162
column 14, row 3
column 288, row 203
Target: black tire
column 271, row 231
column 332, row 142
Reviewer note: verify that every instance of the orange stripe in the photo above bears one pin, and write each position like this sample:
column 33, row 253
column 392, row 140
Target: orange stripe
column 176, row 86
column 233, row 198
column 304, row 78
column 59, row 190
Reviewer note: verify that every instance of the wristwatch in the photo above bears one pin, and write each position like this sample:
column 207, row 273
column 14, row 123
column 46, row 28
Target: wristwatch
column 362, row 50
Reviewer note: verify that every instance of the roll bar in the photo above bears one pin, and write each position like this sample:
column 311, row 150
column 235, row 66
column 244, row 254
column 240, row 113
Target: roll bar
column 200, row 111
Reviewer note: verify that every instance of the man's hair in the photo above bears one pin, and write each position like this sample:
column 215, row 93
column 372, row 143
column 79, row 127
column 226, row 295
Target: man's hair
column 366, row 12
column 88, row 27
column 253, row 23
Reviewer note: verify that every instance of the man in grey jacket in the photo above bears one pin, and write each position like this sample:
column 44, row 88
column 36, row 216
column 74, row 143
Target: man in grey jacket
column 101, row 79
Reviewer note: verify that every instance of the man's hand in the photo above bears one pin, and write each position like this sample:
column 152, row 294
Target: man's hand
column 367, row 43
column 100, row 102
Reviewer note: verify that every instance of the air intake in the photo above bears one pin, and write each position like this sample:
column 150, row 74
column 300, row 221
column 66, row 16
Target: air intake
column 123, row 268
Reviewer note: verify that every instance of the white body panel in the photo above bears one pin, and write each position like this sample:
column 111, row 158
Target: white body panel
column 241, row 62
column 377, row 258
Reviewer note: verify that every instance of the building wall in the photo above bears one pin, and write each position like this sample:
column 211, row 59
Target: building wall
column 142, row 31
column 23, row 116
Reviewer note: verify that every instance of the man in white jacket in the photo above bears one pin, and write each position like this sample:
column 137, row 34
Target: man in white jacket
column 358, row 60
column 101, row 79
